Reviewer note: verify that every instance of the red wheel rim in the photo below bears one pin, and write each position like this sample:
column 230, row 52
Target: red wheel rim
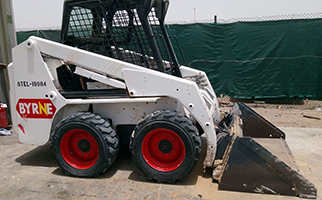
column 163, row 150
column 79, row 149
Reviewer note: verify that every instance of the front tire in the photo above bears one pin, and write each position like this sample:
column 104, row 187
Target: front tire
column 165, row 146
column 84, row 144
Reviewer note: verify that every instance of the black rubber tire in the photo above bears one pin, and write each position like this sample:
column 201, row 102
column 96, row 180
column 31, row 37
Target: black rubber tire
column 94, row 127
column 177, row 124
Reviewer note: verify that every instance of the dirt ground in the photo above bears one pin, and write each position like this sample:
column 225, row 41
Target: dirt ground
column 289, row 117
column 30, row 172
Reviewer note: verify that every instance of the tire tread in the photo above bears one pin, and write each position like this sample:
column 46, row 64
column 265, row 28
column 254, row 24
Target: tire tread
column 107, row 133
column 181, row 120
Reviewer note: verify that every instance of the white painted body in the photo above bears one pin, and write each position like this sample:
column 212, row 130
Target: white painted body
column 37, row 104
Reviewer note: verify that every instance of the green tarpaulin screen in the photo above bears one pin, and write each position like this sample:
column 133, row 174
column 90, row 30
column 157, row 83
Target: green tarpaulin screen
column 272, row 59
column 53, row 35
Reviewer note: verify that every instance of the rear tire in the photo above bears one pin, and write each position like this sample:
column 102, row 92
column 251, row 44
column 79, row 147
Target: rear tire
column 84, row 144
column 165, row 146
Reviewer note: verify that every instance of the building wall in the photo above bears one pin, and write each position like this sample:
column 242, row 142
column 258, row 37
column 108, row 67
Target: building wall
column 7, row 42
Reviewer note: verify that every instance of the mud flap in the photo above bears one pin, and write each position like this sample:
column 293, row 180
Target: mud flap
column 255, row 157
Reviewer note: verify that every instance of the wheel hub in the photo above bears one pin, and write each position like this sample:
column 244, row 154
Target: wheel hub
column 79, row 149
column 165, row 146
column 84, row 146
column 163, row 150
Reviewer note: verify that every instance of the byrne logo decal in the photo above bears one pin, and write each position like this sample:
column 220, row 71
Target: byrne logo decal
column 36, row 108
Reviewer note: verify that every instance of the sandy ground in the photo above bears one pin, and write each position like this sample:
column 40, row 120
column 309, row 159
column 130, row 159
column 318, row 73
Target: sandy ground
column 289, row 117
column 30, row 172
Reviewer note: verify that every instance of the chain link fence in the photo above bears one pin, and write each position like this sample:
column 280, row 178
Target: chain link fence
column 294, row 103
column 218, row 20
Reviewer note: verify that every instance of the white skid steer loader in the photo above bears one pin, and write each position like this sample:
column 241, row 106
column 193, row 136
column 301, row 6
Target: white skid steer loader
column 115, row 78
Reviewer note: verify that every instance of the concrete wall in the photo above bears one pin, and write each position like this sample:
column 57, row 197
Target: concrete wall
column 7, row 42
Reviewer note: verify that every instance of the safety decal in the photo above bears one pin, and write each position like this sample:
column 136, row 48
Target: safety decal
column 36, row 108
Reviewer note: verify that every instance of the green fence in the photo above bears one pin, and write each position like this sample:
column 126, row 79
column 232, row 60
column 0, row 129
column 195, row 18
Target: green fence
column 250, row 60
column 53, row 35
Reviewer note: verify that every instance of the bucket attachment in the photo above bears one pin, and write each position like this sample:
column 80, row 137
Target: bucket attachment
column 252, row 156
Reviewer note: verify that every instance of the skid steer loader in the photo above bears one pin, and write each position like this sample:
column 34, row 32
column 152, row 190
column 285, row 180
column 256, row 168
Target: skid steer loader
column 115, row 79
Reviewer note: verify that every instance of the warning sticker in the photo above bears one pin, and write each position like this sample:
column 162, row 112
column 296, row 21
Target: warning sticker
column 36, row 108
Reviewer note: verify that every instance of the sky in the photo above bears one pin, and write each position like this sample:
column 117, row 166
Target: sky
column 39, row 14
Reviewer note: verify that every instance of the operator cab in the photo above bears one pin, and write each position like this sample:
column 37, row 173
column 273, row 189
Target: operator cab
column 129, row 30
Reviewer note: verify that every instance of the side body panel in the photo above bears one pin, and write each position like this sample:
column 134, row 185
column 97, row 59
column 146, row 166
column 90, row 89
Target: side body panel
column 34, row 98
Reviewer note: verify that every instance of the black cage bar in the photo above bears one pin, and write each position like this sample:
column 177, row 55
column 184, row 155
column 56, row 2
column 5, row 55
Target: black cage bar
column 128, row 30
